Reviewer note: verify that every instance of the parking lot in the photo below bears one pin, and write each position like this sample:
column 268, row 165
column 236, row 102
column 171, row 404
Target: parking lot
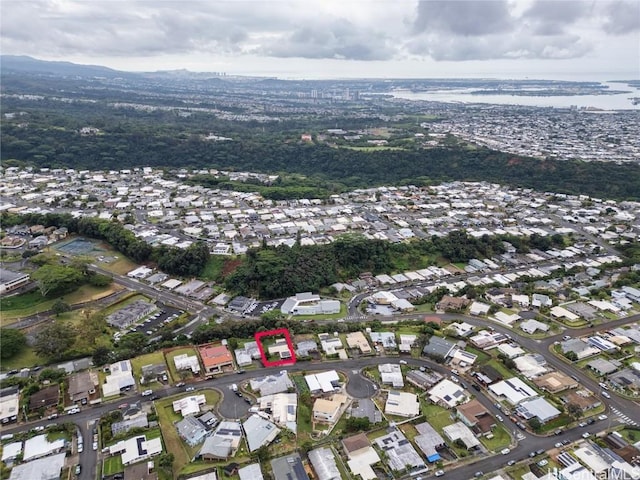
column 258, row 308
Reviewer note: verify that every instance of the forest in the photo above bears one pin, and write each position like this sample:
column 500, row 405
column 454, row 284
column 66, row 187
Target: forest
column 276, row 272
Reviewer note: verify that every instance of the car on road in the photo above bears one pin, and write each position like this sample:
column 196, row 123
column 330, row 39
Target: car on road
column 604, row 385
column 476, row 386
column 566, row 337
column 122, row 406
column 499, row 417
column 239, row 372
column 540, row 451
column 586, row 435
column 606, row 395
column 521, row 426
column 189, row 389
column 582, row 424
column 52, row 416
column 591, row 421
column 558, row 445
column 95, row 445
column 439, row 473
column 74, row 410
column 146, row 393
column 505, row 451
column 511, row 462
column 80, row 447
column 39, row 428
column 602, row 417
column 78, row 469
column 478, row 474
column 532, row 454
column 566, row 441
column 402, row 362
column 180, row 384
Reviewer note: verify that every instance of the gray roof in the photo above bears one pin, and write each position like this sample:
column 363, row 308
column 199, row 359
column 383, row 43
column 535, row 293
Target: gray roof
column 9, row 276
column 126, row 425
column 191, row 429
column 364, row 407
column 259, row 432
column 537, row 407
column 251, row 472
column 289, row 468
column 270, row 384
column 438, row 346
column 220, row 444
column 324, row 463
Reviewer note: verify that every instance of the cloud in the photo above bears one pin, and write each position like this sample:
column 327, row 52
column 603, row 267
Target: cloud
column 553, row 17
column 331, row 38
column 463, row 17
column 622, row 17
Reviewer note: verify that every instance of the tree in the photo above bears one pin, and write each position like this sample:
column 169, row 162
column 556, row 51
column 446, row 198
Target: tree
column 574, row 410
column 535, row 424
column 262, row 454
column 355, row 424
column 571, row 355
column 166, row 461
column 12, row 341
column 133, row 343
column 54, row 339
column 60, row 307
column 102, row 356
column 56, row 279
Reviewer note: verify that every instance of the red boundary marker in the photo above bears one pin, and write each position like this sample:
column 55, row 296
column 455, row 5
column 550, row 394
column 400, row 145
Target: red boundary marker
column 272, row 333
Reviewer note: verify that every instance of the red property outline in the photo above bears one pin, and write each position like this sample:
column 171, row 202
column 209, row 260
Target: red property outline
column 272, row 333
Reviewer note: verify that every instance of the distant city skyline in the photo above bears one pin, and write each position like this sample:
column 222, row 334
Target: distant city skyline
column 554, row 39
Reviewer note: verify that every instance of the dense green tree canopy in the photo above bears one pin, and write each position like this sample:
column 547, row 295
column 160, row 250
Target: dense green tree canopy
column 12, row 341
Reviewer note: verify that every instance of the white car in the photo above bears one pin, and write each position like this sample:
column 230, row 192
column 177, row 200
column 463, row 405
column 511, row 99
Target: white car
column 499, row 417
column 439, row 473
column 606, row 394
column 602, row 417
column 586, row 435
column 146, row 393
column 505, row 451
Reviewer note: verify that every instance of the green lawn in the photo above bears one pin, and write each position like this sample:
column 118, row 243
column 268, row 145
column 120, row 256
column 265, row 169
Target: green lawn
column 213, row 268
column 30, row 303
column 143, row 360
column 172, row 441
column 112, row 465
column 499, row 441
column 175, row 376
column 26, row 358
column 436, row 415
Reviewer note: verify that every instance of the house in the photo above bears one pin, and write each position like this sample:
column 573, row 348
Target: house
column 407, row 342
column 386, row 340
column 429, row 441
column 280, row 348
column 259, row 432
column 627, row 378
column 136, row 449
column 48, row 468
column 306, row 348
column 400, row 453
column 153, row 373
column 462, row 358
column 361, row 456
column 584, row 399
column 308, row 303
column 332, row 345
column 324, row 382
column 579, row 347
column 365, row 408
column 402, row 404
column 537, row 408
column 189, row 405
column 485, row 339
column 328, row 411
column 191, row 430
column 282, row 408
column 531, row 326
column 224, row 442
column 513, row 390
column 10, row 281
column 555, row 382
column 39, row 446
column 531, row 365
column 603, row 367
column 120, row 378
column 462, row 434
column 247, row 354
column 215, row 358
column 324, row 464
column 250, row 472
column 289, row 467
column 391, row 374
column 438, row 347
column 452, row 303
column 447, row 394
column 9, row 405
column 424, row 379
column 359, row 341
column 45, row 398
column 185, row 361
column 475, row 416
column 139, row 420
column 478, row 309
column 271, row 384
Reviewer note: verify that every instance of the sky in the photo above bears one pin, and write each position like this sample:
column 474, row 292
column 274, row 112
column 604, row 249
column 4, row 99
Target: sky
column 561, row 39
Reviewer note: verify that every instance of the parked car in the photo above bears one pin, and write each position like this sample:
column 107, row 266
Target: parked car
column 95, row 445
column 478, row 474
column 582, row 424
column 52, row 416
column 122, row 406
column 189, row 389
column 602, row 417
column 543, row 462
column 499, row 417
column 180, row 384
column 606, row 395
column 78, row 469
column 439, row 473
column 540, row 451
column 558, row 445
column 146, row 393
column 586, row 435
column 505, row 451
column 402, row 362
column 511, row 462
column 74, row 410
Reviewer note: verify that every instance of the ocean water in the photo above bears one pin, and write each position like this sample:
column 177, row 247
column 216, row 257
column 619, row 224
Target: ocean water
column 603, row 102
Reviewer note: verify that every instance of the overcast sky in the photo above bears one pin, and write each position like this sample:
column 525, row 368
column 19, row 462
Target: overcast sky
column 598, row 39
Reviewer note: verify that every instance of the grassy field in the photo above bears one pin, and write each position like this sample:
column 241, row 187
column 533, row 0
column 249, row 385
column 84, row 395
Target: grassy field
column 19, row 306
column 175, row 376
column 499, row 441
column 172, row 441
column 213, row 268
column 149, row 359
column 112, row 465
column 436, row 415
column 26, row 358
